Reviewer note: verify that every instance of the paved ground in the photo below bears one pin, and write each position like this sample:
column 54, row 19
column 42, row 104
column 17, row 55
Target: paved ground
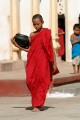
column 19, row 108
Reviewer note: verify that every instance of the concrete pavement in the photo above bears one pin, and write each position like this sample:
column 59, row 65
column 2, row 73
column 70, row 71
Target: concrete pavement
column 19, row 108
column 12, row 83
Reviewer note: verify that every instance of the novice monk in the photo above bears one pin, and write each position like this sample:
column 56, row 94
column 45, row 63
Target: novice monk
column 41, row 63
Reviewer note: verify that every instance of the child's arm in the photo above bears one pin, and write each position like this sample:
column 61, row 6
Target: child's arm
column 24, row 49
column 74, row 40
column 62, row 33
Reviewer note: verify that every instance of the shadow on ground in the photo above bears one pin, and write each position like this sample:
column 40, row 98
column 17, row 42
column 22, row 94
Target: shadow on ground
column 31, row 108
column 41, row 109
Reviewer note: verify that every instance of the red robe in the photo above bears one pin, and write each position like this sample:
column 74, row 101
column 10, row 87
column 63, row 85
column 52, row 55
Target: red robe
column 38, row 68
column 61, row 42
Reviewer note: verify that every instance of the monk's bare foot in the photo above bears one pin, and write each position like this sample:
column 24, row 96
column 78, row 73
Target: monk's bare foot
column 35, row 109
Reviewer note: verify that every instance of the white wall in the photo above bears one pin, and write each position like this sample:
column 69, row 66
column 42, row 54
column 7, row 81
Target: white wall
column 25, row 20
column 5, row 30
column 25, row 16
column 45, row 12
column 72, row 11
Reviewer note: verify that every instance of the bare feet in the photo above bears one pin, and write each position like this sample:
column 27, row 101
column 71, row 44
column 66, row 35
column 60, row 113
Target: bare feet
column 35, row 109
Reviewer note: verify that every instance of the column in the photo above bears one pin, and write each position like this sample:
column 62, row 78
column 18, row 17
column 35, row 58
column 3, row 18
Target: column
column 71, row 18
column 54, row 19
column 15, row 25
column 25, row 20
column 45, row 12
column 35, row 6
column 48, row 9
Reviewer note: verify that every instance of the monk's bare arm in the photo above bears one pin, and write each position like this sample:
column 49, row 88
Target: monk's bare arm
column 62, row 33
column 54, row 57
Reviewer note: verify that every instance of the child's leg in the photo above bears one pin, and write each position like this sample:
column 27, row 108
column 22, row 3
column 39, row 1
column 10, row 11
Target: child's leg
column 78, row 68
column 78, row 64
column 74, row 65
column 74, row 68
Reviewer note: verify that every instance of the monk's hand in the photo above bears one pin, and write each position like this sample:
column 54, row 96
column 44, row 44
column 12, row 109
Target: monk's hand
column 13, row 41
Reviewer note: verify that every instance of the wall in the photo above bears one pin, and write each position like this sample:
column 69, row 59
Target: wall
column 5, row 51
column 72, row 11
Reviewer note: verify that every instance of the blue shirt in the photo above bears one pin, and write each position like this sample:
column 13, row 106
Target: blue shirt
column 75, row 48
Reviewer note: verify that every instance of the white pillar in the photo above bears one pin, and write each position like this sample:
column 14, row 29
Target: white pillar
column 25, row 20
column 48, row 9
column 15, row 15
column 35, row 6
column 25, row 16
column 45, row 12
column 27, row 9
column 54, row 19
column 15, row 28
column 5, row 50
column 71, row 17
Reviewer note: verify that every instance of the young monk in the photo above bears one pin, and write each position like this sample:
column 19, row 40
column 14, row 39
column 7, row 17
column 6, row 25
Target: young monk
column 41, row 63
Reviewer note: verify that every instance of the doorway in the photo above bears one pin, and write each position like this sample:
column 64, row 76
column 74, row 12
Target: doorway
column 61, row 25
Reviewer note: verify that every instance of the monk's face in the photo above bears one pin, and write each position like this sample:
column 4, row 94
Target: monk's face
column 38, row 24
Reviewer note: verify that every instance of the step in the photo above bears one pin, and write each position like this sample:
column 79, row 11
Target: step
column 5, row 65
column 11, row 65
column 73, row 88
column 13, row 88
column 19, row 87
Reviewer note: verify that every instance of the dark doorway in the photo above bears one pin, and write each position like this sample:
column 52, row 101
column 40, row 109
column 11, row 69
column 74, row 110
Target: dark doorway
column 61, row 24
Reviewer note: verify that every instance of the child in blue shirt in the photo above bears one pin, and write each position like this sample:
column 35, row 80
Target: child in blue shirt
column 75, row 41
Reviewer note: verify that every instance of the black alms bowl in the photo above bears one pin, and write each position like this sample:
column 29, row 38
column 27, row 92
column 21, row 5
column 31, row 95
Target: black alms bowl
column 22, row 40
